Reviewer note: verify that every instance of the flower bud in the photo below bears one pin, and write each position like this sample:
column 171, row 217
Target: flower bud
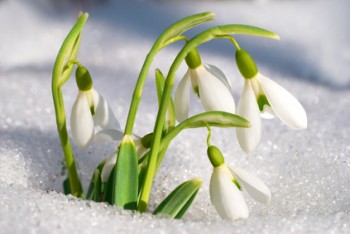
column 246, row 64
column 83, row 78
column 215, row 156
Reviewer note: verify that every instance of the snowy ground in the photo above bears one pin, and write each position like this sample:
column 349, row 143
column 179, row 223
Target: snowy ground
column 307, row 171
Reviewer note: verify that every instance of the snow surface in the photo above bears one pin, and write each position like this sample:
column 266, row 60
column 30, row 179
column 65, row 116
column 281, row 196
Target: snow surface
column 307, row 171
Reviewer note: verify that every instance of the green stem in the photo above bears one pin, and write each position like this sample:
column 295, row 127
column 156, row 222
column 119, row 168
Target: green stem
column 231, row 39
column 209, row 135
column 170, row 35
column 73, row 178
column 60, row 75
column 201, row 38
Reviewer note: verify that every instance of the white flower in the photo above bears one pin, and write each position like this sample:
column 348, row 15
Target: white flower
column 210, row 85
column 90, row 109
column 226, row 185
column 263, row 97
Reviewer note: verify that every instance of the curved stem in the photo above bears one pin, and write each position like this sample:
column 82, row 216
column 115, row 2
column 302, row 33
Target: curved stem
column 209, row 135
column 231, row 39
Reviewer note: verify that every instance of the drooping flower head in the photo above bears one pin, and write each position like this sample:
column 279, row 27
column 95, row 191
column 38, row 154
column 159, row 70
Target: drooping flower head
column 262, row 97
column 209, row 84
column 89, row 109
column 227, row 184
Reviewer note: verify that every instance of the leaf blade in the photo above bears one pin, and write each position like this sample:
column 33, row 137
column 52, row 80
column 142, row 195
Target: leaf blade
column 179, row 200
column 125, row 187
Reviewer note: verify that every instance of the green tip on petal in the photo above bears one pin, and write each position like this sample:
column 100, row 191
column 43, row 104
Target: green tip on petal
column 262, row 101
column 83, row 78
column 193, row 59
column 215, row 156
column 246, row 64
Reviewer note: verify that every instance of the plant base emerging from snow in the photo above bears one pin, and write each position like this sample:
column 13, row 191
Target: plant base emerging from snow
column 125, row 178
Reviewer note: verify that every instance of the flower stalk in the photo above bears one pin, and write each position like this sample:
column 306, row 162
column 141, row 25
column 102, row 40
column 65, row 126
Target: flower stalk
column 60, row 74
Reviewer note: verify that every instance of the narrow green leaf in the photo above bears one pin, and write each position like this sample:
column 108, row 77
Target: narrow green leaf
column 179, row 200
column 97, row 185
column 244, row 30
column 66, row 187
column 68, row 52
column 125, row 187
column 108, row 188
column 186, row 206
column 212, row 118
column 92, row 187
column 216, row 118
column 187, row 23
column 160, row 81
column 142, row 173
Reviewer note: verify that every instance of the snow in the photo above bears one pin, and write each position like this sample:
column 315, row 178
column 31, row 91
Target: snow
column 307, row 171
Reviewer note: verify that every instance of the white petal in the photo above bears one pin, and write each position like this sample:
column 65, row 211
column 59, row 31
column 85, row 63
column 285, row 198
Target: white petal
column 108, row 167
column 254, row 187
column 249, row 138
column 284, row 104
column 182, row 98
column 219, row 74
column 81, row 121
column 108, row 135
column 214, row 94
column 104, row 115
column 227, row 199
column 267, row 112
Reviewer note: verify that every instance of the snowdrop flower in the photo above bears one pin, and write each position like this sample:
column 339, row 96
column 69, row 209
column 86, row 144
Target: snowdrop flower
column 208, row 82
column 227, row 184
column 263, row 97
column 89, row 109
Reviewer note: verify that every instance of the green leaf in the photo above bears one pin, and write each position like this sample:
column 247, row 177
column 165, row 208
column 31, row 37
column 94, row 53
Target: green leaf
column 245, row 30
column 68, row 52
column 108, row 188
column 95, row 183
column 178, row 201
column 185, row 24
column 125, row 187
column 66, row 187
column 212, row 118
column 186, row 206
column 215, row 118
column 160, row 81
